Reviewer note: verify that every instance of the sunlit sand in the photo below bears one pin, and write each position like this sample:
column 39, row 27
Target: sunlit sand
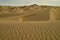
column 32, row 22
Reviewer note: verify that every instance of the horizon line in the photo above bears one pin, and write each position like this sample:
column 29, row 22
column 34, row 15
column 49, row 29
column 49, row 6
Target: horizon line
column 31, row 4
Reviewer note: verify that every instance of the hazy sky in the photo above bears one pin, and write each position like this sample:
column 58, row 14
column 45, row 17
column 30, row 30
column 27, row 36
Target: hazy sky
column 27, row 2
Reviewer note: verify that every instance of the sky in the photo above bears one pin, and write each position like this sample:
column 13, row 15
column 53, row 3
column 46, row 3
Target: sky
column 29, row 2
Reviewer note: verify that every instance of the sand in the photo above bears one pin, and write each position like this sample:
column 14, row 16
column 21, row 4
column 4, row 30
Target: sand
column 30, row 31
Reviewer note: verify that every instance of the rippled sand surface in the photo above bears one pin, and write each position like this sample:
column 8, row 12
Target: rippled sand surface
column 30, row 31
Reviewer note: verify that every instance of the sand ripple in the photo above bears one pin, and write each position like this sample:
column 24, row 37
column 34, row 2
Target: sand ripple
column 29, row 31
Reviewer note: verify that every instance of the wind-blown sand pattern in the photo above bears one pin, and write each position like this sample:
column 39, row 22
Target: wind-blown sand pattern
column 30, row 31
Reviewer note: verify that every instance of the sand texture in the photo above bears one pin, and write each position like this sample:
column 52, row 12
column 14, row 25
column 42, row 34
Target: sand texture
column 30, row 31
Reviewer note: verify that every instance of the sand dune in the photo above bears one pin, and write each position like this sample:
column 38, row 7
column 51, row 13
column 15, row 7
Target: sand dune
column 30, row 31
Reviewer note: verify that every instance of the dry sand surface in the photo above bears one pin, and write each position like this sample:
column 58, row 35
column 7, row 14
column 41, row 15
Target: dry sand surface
column 30, row 31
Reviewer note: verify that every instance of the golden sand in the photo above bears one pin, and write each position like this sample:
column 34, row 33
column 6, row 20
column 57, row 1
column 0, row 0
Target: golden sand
column 30, row 31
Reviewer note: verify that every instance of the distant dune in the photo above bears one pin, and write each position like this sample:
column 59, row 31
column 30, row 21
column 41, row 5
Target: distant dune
column 29, row 13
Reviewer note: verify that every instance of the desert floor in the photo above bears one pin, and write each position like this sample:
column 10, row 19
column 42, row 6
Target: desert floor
column 39, row 30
